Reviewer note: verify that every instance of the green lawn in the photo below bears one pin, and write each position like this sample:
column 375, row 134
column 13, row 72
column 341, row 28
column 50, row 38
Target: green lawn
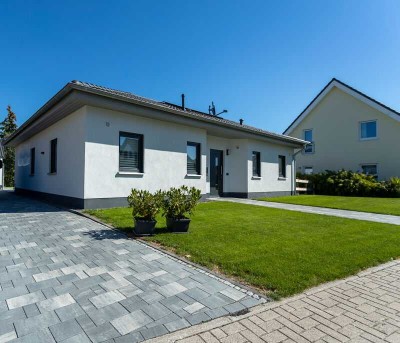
column 281, row 252
column 363, row 204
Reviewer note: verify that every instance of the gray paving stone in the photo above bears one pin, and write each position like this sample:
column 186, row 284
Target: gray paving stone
column 44, row 320
column 131, row 322
column 154, row 331
column 69, row 312
column 25, row 299
column 64, row 330
column 102, row 333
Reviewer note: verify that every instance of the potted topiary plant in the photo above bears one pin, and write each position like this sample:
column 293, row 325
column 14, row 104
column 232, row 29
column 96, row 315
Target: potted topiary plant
column 178, row 204
column 145, row 207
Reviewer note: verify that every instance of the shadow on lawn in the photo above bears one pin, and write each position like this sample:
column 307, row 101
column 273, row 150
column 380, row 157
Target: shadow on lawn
column 121, row 233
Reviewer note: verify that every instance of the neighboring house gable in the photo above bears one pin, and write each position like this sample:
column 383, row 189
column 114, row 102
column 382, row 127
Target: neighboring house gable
column 349, row 130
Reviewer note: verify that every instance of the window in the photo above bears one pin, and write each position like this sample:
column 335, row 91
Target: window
column 53, row 156
column 193, row 158
column 370, row 169
column 256, row 164
column 282, row 166
column 308, row 136
column 130, row 152
column 33, row 161
column 368, row 130
column 308, row 170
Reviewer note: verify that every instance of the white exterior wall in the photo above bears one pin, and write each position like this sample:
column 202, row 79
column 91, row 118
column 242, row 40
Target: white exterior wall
column 165, row 159
column 68, row 180
column 270, row 180
column 335, row 122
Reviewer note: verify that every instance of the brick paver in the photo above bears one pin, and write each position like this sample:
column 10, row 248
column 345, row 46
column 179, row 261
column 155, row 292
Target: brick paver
column 372, row 217
column 66, row 278
column 362, row 308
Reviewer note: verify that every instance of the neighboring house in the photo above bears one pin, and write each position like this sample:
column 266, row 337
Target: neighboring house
column 89, row 145
column 348, row 130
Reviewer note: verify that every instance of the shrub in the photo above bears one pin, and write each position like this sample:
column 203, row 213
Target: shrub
column 393, row 187
column 179, row 203
column 348, row 183
column 145, row 205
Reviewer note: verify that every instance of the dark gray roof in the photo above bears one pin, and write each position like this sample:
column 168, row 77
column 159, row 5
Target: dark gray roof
column 194, row 113
column 164, row 106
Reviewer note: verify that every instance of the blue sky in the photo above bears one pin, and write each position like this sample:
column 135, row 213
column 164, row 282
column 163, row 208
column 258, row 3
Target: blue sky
column 263, row 61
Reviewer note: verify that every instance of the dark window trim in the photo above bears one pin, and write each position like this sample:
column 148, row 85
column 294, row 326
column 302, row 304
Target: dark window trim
column 282, row 165
column 198, row 157
column 140, row 137
column 258, row 163
column 32, row 162
column 53, row 156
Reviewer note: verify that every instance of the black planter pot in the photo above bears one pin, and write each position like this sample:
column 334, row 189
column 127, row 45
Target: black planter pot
column 178, row 225
column 144, row 227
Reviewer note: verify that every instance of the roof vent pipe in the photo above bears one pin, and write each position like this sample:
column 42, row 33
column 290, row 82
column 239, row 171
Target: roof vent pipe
column 183, row 101
column 241, row 121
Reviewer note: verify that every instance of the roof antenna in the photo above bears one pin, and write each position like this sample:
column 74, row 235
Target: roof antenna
column 241, row 121
column 213, row 111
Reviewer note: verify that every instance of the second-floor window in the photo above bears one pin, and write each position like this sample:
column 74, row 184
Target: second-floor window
column 308, row 136
column 368, row 130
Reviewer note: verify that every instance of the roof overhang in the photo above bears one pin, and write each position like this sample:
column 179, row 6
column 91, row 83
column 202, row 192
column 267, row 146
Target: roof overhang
column 349, row 90
column 75, row 95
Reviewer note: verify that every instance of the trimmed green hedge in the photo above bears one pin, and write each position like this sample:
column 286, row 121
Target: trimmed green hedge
column 348, row 183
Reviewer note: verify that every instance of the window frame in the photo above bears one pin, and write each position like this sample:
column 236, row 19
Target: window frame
column 258, row 164
column 198, row 157
column 308, row 167
column 360, row 130
column 370, row 164
column 282, row 166
column 32, row 161
column 53, row 156
column 309, row 145
column 140, row 138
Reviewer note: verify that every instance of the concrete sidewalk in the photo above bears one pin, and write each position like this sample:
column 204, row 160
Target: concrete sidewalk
column 372, row 217
column 362, row 308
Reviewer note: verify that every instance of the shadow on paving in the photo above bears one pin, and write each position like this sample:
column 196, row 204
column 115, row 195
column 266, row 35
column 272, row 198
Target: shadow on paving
column 10, row 202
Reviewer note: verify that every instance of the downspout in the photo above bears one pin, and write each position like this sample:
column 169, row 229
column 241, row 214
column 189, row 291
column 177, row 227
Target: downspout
column 293, row 185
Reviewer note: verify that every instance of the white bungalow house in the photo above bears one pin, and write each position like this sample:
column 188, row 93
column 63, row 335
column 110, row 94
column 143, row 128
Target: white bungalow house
column 89, row 145
column 348, row 130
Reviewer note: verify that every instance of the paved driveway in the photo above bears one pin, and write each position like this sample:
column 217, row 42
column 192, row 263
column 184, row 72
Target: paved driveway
column 66, row 278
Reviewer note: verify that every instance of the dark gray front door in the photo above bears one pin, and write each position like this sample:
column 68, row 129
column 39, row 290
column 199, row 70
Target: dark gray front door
column 216, row 172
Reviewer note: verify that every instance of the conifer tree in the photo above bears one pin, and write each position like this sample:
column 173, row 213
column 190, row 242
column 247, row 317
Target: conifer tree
column 7, row 127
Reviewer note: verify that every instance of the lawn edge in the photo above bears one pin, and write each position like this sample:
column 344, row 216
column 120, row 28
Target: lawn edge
column 332, row 208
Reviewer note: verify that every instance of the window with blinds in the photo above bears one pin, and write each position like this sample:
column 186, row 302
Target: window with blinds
column 53, row 156
column 193, row 158
column 130, row 152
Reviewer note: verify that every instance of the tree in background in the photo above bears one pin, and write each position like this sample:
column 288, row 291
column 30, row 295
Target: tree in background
column 7, row 127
